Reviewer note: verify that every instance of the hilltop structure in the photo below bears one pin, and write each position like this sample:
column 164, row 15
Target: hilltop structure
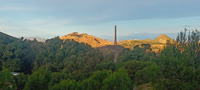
column 115, row 41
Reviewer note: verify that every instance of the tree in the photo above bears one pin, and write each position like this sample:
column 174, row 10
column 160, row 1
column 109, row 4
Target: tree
column 147, row 74
column 138, row 53
column 118, row 81
column 7, row 81
column 39, row 80
column 57, row 77
column 13, row 65
column 95, row 81
column 65, row 85
column 21, row 80
column 106, row 66
column 134, row 66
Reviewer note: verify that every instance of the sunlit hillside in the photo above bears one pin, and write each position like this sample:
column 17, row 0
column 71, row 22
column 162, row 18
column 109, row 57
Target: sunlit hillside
column 157, row 44
column 86, row 39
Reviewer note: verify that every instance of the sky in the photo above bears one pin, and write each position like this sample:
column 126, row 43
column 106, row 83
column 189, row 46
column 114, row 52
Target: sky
column 50, row 18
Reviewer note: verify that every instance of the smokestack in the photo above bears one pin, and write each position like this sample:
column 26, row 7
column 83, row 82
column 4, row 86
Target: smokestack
column 115, row 41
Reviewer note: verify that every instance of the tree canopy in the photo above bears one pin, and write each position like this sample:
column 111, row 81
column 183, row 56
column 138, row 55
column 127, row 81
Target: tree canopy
column 69, row 65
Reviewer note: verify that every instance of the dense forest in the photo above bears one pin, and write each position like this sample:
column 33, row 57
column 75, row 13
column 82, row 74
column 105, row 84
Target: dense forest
column 69, row 65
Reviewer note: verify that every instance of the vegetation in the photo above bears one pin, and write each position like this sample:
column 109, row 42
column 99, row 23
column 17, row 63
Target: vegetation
column 69, row 65
column 156, row 45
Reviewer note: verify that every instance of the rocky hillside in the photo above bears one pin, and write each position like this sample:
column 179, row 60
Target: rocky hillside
column 86, row 39
column 157, row 44
column 164, row 39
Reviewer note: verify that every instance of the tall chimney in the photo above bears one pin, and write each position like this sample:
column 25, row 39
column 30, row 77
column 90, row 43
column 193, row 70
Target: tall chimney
column 115, row 41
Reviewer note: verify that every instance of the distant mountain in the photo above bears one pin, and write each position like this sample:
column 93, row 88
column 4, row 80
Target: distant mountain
column 139, row 36
column 86, row 39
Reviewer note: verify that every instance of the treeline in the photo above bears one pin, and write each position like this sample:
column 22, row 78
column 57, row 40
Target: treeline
column 58, row 65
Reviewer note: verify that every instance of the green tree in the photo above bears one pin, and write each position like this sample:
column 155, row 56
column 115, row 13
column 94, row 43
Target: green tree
column 65, row 85
column 7, row 81
column 21, row 80
column 138, row 53
column 134, row 66
column 57, row 77
column 106, row 66
column 118, row 81
column 13, row 65
column 95, row 81
column 147, row 74
column 39, row 80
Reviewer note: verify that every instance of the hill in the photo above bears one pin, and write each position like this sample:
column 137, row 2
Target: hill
column 157, row 44
column 3, row 35
column 5, row 38
column 164, row 39
column 86, row 39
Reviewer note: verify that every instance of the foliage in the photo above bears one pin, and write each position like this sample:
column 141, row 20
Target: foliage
column 118, row 81
column 21, row 80
column 7, row 81
column 145, row 86
column 69, row 65
column 137, row 54
column 57, row 77
column 95, row 81
column 106, row 66
column 65, row 85
column 17, row 54
column 176, row 67
column 134, row 66
column 39, row 80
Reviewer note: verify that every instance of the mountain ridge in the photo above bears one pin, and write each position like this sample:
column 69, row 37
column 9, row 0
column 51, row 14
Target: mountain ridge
column 157, row 44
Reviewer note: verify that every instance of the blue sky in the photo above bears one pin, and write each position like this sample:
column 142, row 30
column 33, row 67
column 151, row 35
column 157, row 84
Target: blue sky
column 50, row 18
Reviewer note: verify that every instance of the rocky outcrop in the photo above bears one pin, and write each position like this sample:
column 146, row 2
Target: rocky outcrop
column 164, row 39
column 86, row 39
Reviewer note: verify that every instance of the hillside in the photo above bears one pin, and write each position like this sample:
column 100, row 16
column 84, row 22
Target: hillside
column 157, row 44
column 3, row 35
column 86, row 39
column 113, row 50
column 164, row 39
column 5, row 38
